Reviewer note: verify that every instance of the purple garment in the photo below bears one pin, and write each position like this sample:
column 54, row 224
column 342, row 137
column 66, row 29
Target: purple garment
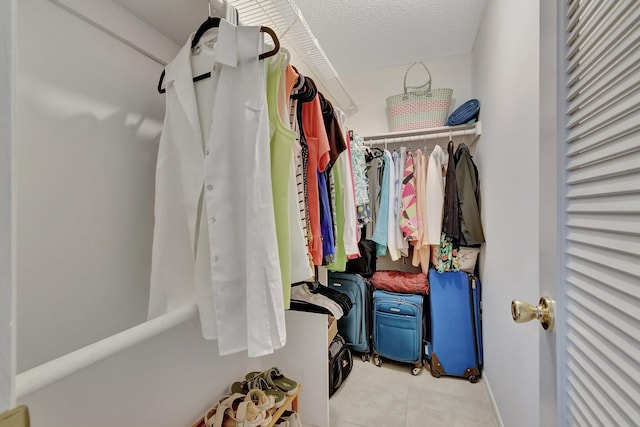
column 326, row 222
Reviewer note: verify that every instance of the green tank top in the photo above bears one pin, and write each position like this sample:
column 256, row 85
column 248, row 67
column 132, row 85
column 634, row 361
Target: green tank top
column 282, row 142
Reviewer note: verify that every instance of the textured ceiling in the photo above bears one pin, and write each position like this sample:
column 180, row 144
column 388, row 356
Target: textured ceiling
column 363, row 35
column 356, row 35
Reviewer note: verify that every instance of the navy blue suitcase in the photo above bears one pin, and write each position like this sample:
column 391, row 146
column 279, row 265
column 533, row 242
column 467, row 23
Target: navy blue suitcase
column 398, row 328
column 456, row 327
column 355, row 327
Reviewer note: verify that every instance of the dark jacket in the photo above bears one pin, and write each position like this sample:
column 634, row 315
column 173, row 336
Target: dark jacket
column 471, row 233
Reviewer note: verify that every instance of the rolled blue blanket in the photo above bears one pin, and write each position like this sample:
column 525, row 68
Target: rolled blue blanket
column 465, row 113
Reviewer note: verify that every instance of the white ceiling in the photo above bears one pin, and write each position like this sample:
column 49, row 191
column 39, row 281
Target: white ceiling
column 356, row 35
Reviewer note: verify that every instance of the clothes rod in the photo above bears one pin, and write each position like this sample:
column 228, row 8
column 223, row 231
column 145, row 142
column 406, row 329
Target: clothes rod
column 106, row 30
column 418, row 138
column 425, row 134
column 43, row 375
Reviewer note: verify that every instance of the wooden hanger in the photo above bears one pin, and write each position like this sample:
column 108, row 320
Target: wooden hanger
column 214, row 22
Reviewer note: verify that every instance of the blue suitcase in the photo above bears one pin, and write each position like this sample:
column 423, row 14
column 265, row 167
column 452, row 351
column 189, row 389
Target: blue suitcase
column 355, row 327
column 398, row 328
column 455, row 346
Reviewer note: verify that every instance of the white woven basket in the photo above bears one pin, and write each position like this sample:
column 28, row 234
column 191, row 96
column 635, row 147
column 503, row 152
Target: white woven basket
column 418, row 109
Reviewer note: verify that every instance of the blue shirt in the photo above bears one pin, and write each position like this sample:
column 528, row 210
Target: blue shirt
column 380, row 234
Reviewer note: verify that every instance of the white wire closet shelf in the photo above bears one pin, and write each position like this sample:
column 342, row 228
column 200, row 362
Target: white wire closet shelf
column 284, row 17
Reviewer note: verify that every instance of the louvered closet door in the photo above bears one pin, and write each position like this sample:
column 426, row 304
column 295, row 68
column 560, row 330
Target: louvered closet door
column 602, row 344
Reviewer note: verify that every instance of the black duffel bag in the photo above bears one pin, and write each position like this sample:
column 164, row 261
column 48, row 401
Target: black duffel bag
column 340, row 363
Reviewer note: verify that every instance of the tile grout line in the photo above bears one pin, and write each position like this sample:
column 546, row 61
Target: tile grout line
column 406, row 410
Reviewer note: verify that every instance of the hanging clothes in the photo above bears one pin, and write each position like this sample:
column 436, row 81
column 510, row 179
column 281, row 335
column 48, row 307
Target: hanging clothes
column 409, row 214
column 350, row 235
column 401, row 242
column 337, row 143
column 300, row 94
column 392, row 224
column 359, row 165
column 435, row 194
column 326, row 222
column 471, row 232
column 318, row 146
column 300, row 262
column 374, row 174
column 340, row 261
column 451, row 216
column 339, row 181
column 305, row 94
column 421, row 247
column 345, row 167
column 381, row 232
column 447, row 253
column 215, row 235
column 281, row 147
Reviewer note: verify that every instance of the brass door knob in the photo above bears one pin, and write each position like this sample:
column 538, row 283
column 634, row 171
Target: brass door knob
column 524, row 312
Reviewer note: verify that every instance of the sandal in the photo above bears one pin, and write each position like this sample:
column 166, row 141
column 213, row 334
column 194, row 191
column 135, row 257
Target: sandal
column 253, row 415
column 240, row 387
column 236, row 410
column 262, row 401
column 209, row 416
column 261, row 384
column 276, row 379
column 288, row 419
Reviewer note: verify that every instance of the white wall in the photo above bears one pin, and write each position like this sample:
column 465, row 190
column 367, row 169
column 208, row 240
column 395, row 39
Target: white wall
column 7, row 284
column 371, row 89
column 88, row 117
column 506, row 64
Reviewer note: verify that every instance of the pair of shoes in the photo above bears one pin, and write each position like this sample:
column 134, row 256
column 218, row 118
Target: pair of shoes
column 289, row 419
column 278, row 396
column 239, row 410
column 259, row 383
column 271, row 381
column 276, row 380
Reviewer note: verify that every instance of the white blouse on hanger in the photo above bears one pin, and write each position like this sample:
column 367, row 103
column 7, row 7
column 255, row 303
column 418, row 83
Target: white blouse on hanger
column 435, row 194
column 214, row 237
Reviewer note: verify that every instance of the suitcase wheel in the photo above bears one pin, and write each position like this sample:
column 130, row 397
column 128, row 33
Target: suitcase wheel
column 377, row 361
column 415, row 371
column 364, row 357
column 474, row 379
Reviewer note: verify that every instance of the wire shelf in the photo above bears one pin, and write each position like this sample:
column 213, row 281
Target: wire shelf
column 294, row 33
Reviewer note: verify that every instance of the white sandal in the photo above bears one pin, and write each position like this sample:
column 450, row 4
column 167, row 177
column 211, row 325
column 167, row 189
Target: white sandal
column 236, row 410
column 263, row 402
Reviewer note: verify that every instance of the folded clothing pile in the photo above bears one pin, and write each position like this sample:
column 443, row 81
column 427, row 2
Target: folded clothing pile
column 316, row 298
column 401, row 281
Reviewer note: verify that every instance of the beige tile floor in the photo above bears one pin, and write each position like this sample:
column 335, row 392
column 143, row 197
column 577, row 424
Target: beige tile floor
column 389, row 396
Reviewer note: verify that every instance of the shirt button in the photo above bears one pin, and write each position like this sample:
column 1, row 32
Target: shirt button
column 213, row 219
column 209, row 187
column 214, row 258
column 206, row 152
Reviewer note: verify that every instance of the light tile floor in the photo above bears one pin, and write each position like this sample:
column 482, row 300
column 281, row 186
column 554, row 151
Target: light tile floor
column 389, row 396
